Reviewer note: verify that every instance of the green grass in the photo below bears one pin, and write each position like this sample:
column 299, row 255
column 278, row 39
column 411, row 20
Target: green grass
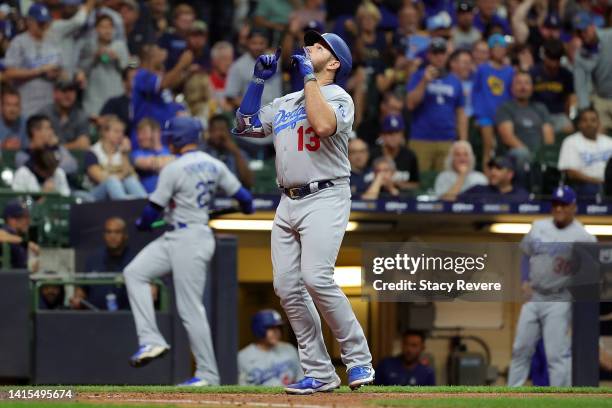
column 506, row 402
column 231, row 389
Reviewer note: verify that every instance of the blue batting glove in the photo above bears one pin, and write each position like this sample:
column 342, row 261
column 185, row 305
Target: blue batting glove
column 302, row 63
column 265, row 65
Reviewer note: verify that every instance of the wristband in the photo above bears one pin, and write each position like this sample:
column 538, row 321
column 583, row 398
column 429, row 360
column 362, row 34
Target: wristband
column 309, row 77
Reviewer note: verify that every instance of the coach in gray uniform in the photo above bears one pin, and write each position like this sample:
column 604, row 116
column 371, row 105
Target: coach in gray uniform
column 547, row 314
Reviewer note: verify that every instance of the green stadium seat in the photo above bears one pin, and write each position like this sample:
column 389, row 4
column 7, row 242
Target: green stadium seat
column 265, row 178
column 427, row 181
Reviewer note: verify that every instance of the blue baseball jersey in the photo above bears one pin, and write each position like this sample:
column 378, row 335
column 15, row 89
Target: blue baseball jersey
column 149, row 100
column 491, row 88
column 148, row 178
column 435, row 117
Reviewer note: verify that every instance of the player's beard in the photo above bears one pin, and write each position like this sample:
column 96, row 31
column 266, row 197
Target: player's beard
column 319, row 67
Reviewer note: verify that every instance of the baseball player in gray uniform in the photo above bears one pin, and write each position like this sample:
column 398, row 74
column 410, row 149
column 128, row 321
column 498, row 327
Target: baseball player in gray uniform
column 268, row 361
column 310, row 130
column 185, row 190
column 547, row 314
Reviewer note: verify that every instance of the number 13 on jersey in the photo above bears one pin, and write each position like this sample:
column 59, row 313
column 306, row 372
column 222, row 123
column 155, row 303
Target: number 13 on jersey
column 313, row 142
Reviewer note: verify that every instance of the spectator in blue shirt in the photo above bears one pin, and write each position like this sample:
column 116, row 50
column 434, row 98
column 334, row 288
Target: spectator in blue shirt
column 492, row 85
column 13, row 134
column 113, row 257
column 151, row 88
column 174, row 40
column 150, row 156
column 409, row 368
column 500, row 188
column 361, row 173
column 435, row 97
column 488, row 21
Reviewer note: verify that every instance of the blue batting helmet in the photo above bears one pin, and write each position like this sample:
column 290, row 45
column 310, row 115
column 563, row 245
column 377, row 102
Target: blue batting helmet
column 181, row 131
column 338, row 47
column 263, row 320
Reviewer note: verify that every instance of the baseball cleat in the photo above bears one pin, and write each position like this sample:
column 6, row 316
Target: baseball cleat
column 360, row 376
column 146, row 354
column 309, row 385
column 194, row 382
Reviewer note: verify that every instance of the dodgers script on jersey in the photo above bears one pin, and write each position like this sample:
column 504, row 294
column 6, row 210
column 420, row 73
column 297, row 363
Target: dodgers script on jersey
column 301, row 156
column 187, row 185
column 275, row 367
column 550, row 250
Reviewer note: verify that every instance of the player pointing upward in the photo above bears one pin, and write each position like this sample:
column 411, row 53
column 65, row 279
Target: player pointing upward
column 185, row 189
column 310, row 129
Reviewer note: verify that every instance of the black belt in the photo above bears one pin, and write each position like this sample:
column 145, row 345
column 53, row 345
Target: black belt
column 295, row 193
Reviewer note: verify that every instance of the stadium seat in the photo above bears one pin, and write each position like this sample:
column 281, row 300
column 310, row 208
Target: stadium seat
column 265, row 178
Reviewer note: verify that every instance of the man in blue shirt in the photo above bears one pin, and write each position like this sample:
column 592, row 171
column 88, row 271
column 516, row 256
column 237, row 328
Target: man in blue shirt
column 409, row 368
column 174, row 40
column 361, row 173
column 492, row 84
column 12, row 125
column 151, row 88
column 150, row 157
column 488, row 21
column 500, row 188
column 436, row 100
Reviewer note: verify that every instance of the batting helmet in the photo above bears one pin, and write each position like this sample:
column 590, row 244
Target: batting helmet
column 181, row 131
column 263, row 320
column 338, row 47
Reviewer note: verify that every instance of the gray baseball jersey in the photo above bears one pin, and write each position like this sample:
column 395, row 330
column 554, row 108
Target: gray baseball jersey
column 301, row 156
column 275, row 367
column 187, row 185
column 307, row 233
column 548, row 314
column 550, row 250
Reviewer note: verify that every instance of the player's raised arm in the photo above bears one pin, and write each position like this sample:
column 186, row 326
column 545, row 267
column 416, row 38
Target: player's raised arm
column 247, row 120
column 326, row 60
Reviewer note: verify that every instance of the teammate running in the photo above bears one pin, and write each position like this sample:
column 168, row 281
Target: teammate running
column 185, row 190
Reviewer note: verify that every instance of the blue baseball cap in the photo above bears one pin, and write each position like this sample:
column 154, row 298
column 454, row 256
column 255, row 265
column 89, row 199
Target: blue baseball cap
column 14, row 209
column 497, row 40
column 314, row 25
column 393, row 123
column 565, row 195
column 552, row 21
column 182, row 130
column 71, row 2
column 582, row 20
column 502, row 162
column 39, row 12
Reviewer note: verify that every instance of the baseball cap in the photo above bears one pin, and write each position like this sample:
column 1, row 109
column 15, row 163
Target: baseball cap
column 465, row 7
column 502, row 162
column 442, row 20
column 582, row 20
column 199, row 26
column 66, row 84
column 565, row 195
column 437, row 44
column 14, row 209
column 497, row 40
column 39, row 12
column 258, row 32
column 393, row 123
column 552, row 21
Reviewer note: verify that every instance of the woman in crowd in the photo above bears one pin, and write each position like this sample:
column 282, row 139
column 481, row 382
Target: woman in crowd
column 459, row 174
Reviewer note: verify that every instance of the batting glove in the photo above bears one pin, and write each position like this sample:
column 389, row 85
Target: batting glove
column 265, row 65
column 302, row 63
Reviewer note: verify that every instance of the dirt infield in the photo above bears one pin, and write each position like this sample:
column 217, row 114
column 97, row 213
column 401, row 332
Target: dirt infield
column 321, row 400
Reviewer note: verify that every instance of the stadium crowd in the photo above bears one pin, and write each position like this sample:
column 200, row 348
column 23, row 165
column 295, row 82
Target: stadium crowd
column 467, row 99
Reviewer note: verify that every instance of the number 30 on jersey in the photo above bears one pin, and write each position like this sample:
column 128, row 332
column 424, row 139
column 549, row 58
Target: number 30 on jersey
column 312, row 142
